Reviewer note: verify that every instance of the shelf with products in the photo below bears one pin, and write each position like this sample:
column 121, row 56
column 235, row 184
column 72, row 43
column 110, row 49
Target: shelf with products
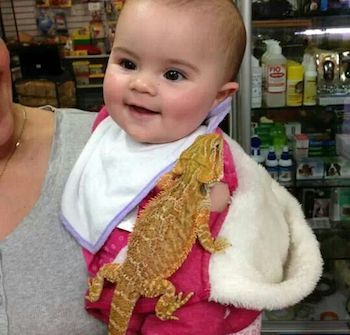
column 324, row 311
column 282, row 23
column 87, row 69
column 89, row 86
column 322, row 189
column 296, row 9
column 101, row 56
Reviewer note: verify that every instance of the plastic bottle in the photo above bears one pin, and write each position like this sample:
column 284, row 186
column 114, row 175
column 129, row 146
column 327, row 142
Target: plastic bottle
column 271, row 163
column 279, row 138
column 295, row 83
column 274, row 75
column 334, row 208
column 255, row 144
column 285, row 166
column 263, row 59
column 256, row 83
column 264, row 56
column 310, row 81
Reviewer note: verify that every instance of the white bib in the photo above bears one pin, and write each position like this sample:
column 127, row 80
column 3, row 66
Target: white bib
column 113, row 174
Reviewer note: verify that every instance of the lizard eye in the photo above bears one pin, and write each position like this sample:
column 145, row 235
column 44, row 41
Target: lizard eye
column 203, row 189
column 217, row 147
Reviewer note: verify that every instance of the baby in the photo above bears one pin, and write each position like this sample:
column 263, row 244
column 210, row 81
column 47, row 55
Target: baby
column 169, row 79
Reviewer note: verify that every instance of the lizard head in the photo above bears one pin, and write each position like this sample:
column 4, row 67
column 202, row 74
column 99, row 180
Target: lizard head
column 204, row 158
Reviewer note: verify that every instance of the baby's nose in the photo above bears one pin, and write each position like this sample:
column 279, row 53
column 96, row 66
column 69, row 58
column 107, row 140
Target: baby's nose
column 143, row 83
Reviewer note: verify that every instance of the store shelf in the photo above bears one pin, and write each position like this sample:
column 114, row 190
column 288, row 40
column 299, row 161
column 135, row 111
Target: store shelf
column 326, row 100
column 327, row 309
column 89, row 86
column 306, row 327
column 87, row 57
column 312, row 324
column 286, row 23
column 323, row 183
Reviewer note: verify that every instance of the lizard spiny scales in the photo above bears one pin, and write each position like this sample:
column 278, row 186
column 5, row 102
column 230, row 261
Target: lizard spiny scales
column 163, row 236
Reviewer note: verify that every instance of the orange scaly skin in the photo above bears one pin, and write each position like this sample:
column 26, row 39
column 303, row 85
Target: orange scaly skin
column 164, row 235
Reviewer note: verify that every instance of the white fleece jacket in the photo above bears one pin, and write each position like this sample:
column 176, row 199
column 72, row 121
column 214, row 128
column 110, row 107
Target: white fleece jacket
column 274, row 260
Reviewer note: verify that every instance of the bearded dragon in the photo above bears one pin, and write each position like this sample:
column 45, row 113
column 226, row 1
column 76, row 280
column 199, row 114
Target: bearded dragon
column 163, row 236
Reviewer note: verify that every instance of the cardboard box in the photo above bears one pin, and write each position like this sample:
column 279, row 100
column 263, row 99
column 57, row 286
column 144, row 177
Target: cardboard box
column 336, row 168
column 309, row 168
column 343, row 145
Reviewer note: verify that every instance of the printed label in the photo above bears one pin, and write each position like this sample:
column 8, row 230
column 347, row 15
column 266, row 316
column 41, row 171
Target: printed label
column 276, row 78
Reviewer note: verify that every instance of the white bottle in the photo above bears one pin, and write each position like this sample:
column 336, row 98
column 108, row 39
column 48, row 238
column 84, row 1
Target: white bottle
column 285, row 163
column 263, row 64
column 274, row 75
column 310, row 81
column 271, row 163
column 263, row 57
column 256, row 83
column 255, row 144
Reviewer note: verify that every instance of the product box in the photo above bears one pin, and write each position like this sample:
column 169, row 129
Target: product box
column 344, row 66
column 309, row 168
column 300, row 146
column 340, row 204
column 292, row 129
column 328, row 63
column 269, row 9
column 321, row 145
column 264, row 131
column 344, row 204
column 336, row 168
column 343, row 145
column 316, row 205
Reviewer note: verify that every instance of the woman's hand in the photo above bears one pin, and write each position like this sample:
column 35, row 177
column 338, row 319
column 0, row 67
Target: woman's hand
column 6, row 117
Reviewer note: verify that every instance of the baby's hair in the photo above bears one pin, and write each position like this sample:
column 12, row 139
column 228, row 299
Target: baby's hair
column 229, row 27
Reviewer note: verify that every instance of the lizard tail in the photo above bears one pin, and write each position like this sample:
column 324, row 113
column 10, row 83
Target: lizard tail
column 121, row 310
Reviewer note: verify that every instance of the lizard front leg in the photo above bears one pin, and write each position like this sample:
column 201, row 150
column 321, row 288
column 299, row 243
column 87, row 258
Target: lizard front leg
column 108, row 271
column 169, row 301
column 204, row 234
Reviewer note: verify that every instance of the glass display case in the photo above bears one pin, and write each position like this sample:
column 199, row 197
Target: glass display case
column 294, row 118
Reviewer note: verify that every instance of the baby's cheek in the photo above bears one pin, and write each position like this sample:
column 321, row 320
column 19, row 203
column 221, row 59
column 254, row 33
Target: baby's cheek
column 220, row 197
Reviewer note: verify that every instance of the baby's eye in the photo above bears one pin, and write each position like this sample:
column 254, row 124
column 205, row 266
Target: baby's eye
column 127, row 64
column 174, row 75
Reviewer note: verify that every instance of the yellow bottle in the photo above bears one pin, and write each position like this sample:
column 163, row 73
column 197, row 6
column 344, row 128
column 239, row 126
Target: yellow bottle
column 295, row 83
column 310, row 81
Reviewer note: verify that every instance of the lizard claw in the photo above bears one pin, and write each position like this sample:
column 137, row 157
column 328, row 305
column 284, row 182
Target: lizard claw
column 221, row 244
column 166, row 306
column 94, row 290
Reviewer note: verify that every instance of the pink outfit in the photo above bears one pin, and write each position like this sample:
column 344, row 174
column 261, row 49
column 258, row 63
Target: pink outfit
column 198, row 315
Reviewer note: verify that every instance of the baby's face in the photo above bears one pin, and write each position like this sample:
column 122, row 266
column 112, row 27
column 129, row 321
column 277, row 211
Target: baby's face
column 165, row 71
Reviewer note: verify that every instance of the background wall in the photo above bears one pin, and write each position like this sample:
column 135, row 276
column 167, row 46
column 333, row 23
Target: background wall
column 26, row 13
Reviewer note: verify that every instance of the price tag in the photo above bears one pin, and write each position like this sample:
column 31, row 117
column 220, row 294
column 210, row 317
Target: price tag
column 94, row 6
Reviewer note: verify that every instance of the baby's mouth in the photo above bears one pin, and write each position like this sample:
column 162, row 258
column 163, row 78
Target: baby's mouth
column 141, row 110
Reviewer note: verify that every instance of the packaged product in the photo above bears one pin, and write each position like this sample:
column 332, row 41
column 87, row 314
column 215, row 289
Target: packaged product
column 274, row 71
column 345, row 68
column 309, row 168
column 327, row 62
column 310, row 80
column 295, row 84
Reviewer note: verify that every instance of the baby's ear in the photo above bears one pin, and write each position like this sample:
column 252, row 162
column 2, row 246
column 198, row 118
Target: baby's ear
column 226, row 90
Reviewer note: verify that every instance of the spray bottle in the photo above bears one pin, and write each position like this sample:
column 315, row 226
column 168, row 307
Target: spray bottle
column 310, row 81
column 256, row 83
column 274, row 75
